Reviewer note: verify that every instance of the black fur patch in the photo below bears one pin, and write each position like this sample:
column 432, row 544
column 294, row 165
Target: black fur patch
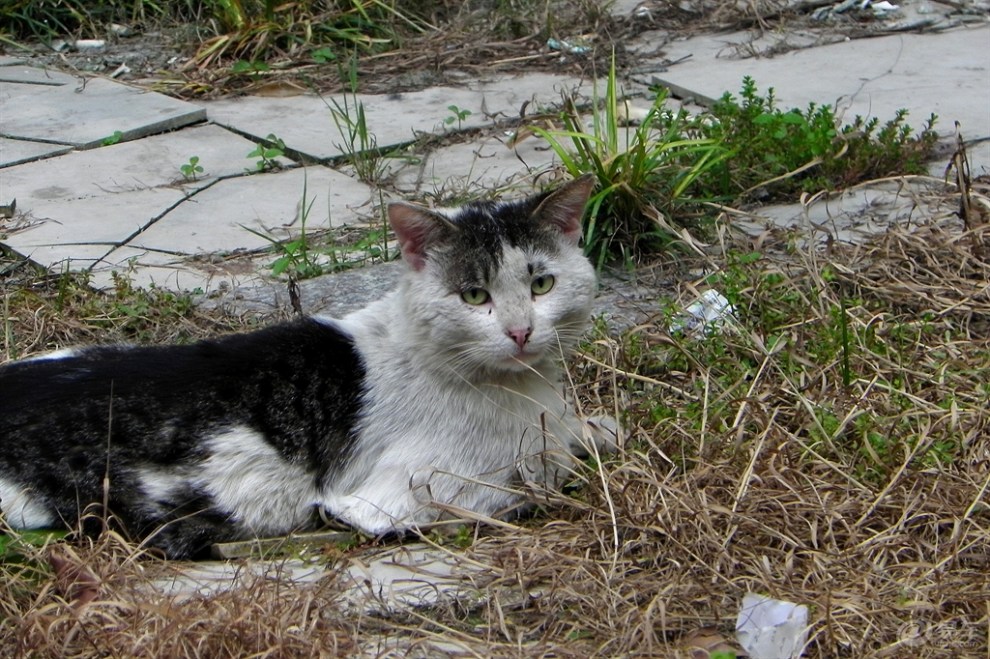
column 471, row 256
column 64, row 422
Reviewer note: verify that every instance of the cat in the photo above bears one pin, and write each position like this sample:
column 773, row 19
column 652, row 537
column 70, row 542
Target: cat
column 444, row 395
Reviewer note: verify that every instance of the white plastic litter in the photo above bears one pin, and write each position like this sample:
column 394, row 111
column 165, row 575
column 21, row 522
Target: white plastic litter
column 567, row 47
column 704, row 316
column 768, row 628
column 883, row 8
column 90, row 44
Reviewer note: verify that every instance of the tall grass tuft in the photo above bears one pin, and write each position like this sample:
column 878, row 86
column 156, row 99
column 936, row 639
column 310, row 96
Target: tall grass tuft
column 643, row 173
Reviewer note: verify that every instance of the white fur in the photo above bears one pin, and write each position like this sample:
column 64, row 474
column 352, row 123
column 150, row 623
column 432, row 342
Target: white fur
column 54, row 354
column 248, row 479
column 251, row 480
column 21, row 510
column 451, row 416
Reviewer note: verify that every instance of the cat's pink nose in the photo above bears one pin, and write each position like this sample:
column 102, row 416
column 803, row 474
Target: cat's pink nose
column 520, row 336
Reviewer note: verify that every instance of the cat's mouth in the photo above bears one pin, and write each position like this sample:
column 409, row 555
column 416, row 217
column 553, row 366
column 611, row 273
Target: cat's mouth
column 525, row 357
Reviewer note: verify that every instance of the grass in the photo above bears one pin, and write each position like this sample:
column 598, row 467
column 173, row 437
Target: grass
column 827, row 448
column 642, row 173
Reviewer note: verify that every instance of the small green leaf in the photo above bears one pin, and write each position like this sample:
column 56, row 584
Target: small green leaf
column 115, row 138
column 280, row 265
column 323, row 55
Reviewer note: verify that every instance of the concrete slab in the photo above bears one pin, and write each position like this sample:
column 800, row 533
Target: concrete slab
column 333, row 295
column 410, row 576
column 854, row 215
column 33, row 75
column 188, row 580
column 476, row 168
column 312, row 131
column 146, row 268
column 947, row 73
column 15, row 152
column 84, row 115
column 109, row 219
column 217, row 219
column 391, row 119
column 379, row 581
column 152, row 162
column 71, row 257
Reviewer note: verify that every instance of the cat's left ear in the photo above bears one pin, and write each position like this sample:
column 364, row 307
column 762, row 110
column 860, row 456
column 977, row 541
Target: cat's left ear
column 417, row 228
column 564, row 207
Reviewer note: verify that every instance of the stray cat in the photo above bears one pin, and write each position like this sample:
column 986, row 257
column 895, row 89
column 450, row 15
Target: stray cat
column 443, row 395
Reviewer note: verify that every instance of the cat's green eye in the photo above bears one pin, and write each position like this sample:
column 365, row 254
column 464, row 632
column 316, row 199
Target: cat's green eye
column 543, row 284
column 475, row 296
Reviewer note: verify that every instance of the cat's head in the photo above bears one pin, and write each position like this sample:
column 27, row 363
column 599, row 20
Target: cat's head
column 498, row 286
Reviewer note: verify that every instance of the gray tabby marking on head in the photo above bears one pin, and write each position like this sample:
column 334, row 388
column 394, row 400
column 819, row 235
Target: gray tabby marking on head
column 443, row 395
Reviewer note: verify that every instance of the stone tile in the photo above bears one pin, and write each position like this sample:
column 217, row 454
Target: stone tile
column 410, row 576
column 312, row 131
column 147, row 163
column 60, row 225
column 217, row 219
column 70, row 257
column 477, row 168
column 84, row 116
column 505, row 95
column 392, row 119
column 31, row 75
column 186, row 580
column 869, row 77
column 852, row 215
column 379, row 581
column 333, row 295
column 15, row 152
column 147, row 268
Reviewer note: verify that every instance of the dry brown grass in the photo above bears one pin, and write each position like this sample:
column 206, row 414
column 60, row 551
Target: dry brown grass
column 850, row 475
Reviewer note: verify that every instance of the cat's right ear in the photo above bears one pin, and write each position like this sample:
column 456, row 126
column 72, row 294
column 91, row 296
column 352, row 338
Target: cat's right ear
column 417, row 228
column 564, row 207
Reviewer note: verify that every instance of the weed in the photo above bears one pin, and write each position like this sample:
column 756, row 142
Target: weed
column 323, row 55
column 267, row 153
column 777, row 152
column 250, row 68
column 112, row 139
column 360, row 146
column 457, row 115
column 296, row 259
column 192, row 169
column 652, row 181
column 256, row 31
column 641, row 174
column 13, row 543
column 44, row 20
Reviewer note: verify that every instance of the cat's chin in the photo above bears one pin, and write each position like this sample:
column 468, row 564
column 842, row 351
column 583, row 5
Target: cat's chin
column 524, row 361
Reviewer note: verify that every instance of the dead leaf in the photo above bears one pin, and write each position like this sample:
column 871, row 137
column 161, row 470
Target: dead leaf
column 701, row 643
column 74, row 581
column 279, row 89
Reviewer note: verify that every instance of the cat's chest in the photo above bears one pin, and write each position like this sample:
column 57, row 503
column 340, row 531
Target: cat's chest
column 488, row 408
column 454, row 423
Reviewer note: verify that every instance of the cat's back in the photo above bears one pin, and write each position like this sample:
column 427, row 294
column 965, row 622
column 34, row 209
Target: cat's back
column 293, row 351
column 284, row 381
